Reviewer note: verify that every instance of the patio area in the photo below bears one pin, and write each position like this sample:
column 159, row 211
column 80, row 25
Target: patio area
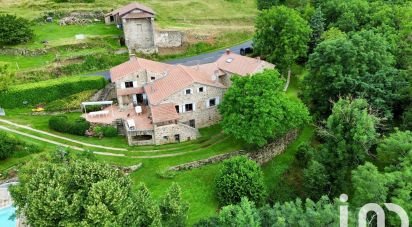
column 110, row 114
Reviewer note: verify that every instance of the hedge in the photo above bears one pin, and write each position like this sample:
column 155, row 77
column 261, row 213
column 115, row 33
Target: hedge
column 48, row 90
column 63, row 124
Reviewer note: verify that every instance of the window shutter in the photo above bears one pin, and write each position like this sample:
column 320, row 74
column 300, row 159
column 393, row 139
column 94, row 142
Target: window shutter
column 123, row 85
column 182, row 108
column 134, row 83
column 194, row 107
column 217, row 101
column 207, row 103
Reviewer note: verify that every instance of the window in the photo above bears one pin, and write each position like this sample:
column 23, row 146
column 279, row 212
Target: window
column 152, row 78
column 128, row 84
column 201, row 89
column 212, row 102
column 165, row 137
column 188, row 91
column 189, row 107
column 177, row 109
column 192, row 123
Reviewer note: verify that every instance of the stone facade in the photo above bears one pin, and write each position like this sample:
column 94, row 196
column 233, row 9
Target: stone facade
column 203, row 114
column 174, row 133
column 169, row 39
column 139, row 35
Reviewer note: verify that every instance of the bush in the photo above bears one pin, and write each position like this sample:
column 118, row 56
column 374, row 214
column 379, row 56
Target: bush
column 48, row 90
column 109, row 131
column 240, row 177
column 14, row 30
column 63, row 124
column 10, row 146
column 71, row 102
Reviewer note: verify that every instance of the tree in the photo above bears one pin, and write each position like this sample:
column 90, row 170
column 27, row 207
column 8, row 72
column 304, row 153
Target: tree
column 395, row 147
column 243, row 214
column 256, row 110
column 369, row 185
column 361, row 66
column 282, row 36
column 77, row 192
column 349, row 134
column 240, row 177
column 173, row 208
column 315, row 180
column 298, row 213
column 317, row 24
column 350, row 15
column 143, row 210
column 14, row 30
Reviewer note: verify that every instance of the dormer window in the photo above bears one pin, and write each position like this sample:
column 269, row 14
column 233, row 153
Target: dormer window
column 188, row 91
column 201, row 89
column 128, row 84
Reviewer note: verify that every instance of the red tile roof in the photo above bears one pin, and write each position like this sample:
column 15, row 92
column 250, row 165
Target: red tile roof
column 164, row 112
column 137, row 64
column 131, row 6
column 242, row 65
column 177, row 78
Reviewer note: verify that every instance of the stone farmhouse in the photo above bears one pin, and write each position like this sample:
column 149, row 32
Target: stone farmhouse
column 160, row 103
column 137, row 22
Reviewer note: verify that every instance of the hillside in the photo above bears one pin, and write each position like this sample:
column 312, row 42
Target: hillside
column 170, row 13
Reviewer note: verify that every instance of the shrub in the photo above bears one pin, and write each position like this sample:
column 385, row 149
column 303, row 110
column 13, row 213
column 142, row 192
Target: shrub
column 63, row 124
column 14, row 30
column 71, row 102
column 240, row 177
column 109, row 131
column 48, row 90
column 10, row 146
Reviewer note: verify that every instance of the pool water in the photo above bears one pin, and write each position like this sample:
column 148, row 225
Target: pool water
column 5, row 214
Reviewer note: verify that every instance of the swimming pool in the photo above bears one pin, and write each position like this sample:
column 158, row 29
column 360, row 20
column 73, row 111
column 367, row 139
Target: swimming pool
column 5, row 214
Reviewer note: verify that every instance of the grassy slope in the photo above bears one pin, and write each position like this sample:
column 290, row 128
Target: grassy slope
column 170, row 13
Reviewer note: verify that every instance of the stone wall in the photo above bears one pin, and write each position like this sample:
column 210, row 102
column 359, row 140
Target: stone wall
column 169, row 39
column 22, row 51
column 207, row 161
column 203, row 115
column 166, row 133
column 273, row 149
column 261, row 156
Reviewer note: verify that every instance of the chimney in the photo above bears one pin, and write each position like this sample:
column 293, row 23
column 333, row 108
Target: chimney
column 227, row 51
column 258, row 59
column 215, row 75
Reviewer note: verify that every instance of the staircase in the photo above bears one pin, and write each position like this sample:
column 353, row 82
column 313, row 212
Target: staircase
column 105, row 92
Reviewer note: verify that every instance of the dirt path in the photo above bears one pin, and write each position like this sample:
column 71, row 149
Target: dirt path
column 55, row 143
column 61, row 137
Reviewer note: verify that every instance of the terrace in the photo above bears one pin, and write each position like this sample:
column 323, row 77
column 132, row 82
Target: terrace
column 110, row 114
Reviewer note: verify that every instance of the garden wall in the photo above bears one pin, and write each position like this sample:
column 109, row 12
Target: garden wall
column 261, row 156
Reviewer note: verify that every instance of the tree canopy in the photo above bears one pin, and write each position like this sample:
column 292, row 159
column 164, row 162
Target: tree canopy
column 361, row 66
column 281, row 36
column 14, row 30
column 240, row 177
column 348, row 136
column 256, row 110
